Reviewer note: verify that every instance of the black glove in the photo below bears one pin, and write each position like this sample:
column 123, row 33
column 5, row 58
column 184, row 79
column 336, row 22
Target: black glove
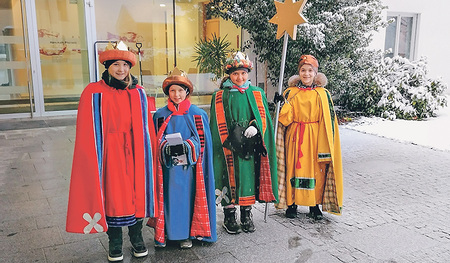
column 175, row 150
column 278, row 97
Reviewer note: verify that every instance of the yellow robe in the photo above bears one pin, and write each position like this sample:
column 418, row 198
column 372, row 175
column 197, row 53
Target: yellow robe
column 310, row 165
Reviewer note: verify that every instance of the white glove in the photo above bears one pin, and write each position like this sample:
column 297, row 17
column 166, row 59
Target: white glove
column 250, row 132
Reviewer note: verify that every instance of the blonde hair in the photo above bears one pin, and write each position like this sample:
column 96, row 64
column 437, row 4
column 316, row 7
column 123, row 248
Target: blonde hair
column 129, row 79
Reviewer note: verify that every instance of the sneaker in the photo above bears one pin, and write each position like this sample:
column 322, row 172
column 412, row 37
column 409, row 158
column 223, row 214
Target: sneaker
column 115, row 255
column 136, row 239
column 187, row 243
column 139, row 251
column 159, row 244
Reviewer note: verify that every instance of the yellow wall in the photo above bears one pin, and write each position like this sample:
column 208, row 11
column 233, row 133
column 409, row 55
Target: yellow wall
column 233, row 33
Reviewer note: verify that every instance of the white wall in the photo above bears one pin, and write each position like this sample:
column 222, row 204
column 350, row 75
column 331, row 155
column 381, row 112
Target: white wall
column 434, row 33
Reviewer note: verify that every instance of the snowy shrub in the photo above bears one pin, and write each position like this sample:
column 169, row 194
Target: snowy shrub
column 407, row 91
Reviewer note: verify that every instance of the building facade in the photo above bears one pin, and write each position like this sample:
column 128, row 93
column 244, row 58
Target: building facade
column 49, row 48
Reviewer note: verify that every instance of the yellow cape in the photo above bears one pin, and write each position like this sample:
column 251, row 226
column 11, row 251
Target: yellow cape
column 333, row 190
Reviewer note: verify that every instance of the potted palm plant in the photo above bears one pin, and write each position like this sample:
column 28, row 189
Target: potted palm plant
column 211, row 55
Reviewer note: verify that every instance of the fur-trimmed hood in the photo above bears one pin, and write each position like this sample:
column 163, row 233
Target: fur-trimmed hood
column 320, row 80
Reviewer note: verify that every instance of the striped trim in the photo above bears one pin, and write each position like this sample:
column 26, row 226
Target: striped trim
column 223, row 133
column 98, row 131
column 161, row 150
column 121, row 221
column 159, row 225
column 265, row 179
column 201, row 134
column 261, row 109
column 200, row 225
column 303, row 183
column 149, row 184
column 192, row 158
column 332, row 113
column 324, row 156
column 247, row 200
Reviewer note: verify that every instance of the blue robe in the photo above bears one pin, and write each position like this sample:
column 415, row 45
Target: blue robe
column 179, row 181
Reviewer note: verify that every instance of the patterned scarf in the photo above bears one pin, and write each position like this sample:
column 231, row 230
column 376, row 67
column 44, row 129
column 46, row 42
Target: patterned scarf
column 229, row 84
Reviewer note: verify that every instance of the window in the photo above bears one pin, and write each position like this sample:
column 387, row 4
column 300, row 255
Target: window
column 402, row 35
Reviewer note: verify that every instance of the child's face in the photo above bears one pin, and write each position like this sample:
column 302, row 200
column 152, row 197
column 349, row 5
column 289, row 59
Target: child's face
column 307, row 74
column 119, row 69
column 239, row 77
column 177, row 94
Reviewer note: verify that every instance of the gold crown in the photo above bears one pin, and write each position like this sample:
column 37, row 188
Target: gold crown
column 117, row 45
column 117, row 51
column 177, row 72
column 177, row 76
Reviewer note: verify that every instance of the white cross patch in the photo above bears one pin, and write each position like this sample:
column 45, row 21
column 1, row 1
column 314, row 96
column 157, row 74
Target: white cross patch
column 222, row 195
column 92, row 223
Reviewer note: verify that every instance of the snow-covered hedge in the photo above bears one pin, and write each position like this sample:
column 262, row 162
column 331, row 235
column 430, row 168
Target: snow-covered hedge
column 406, row 90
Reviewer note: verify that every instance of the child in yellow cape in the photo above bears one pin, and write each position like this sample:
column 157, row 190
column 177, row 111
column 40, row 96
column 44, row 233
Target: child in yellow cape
column 308, row 145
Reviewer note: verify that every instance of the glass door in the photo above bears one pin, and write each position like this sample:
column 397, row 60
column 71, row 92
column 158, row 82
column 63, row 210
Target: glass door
column 14, row 64
column 62, row 52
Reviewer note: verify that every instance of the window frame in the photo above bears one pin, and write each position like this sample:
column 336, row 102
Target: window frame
column 414, row 34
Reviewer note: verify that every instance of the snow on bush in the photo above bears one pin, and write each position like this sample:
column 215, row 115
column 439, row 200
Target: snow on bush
column 406, row 90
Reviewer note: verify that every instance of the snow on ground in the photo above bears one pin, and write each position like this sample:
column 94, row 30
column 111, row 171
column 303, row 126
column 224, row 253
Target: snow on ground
column 432, row 132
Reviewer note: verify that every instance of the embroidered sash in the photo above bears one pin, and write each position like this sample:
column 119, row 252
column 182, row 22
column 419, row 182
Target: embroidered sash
column 223, row 133
column 159, row 224
column 200, row 220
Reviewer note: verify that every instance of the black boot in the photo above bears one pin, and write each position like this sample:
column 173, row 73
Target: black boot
column 115, row 244
column 291, row 212
column 137, row 242
column 315, row 213
column 247, row 219
column 229, row 222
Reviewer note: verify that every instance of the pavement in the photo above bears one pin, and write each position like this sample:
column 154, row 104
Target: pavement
column 396, row 207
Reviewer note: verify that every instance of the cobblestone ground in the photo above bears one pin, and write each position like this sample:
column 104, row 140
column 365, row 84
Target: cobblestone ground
column 396, row 199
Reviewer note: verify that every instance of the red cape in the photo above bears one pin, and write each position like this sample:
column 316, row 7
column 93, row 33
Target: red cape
column 96, row 115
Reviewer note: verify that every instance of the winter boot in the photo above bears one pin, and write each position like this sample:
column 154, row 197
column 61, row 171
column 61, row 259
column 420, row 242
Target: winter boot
column 115, row 244
column 137, row 242
column 291, row 212
column 247, row 219
column 229, row 222
column 315, row 213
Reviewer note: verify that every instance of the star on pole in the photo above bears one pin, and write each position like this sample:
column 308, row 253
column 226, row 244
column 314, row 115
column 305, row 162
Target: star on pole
column 288, row 16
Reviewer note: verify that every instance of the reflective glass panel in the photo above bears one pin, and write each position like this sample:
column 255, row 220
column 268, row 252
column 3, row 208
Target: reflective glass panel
column 14, row 73
column 63, row 52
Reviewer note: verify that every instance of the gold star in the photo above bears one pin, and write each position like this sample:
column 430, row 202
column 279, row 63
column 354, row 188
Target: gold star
column 288, row 17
